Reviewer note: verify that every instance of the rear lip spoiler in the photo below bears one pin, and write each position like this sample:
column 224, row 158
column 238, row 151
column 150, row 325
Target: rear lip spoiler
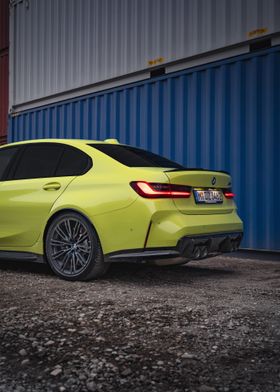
column 197, row 169
column 146, row 253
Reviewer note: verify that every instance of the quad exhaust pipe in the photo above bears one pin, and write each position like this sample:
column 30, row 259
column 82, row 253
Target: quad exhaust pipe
column 199, row 248
column 202, row 251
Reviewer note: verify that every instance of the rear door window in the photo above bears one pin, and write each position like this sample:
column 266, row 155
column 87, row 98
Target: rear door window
column 38, row 161
column 73, row 162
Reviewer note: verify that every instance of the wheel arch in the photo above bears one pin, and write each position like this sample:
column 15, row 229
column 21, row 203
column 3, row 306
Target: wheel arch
column 65, row 211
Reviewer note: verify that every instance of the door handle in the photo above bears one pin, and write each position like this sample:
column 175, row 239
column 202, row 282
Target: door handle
column 52, row 186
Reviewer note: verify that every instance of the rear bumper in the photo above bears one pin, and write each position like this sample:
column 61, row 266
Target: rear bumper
column 190, row 247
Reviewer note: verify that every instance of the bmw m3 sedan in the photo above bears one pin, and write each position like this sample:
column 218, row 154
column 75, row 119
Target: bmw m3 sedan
column 80, row 205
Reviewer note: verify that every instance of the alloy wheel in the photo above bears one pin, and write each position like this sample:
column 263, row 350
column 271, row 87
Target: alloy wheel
column 70, row 247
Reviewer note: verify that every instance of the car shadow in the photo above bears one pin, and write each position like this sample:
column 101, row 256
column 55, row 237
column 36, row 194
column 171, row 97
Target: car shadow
column 165, row 274
column 25, row 267
column 135, row 273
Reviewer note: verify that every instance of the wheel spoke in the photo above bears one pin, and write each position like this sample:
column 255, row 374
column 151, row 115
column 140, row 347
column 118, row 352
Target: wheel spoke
column 76, row 230
column 61, row 233
column 61, row 252
column 56, row 242
column 73, row 263
column 83, row 237
column 81, row 259
column 67, row 225
column 84, row 248
column 65, row 260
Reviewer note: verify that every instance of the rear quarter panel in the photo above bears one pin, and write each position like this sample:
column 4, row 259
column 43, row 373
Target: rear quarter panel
column 104, row 195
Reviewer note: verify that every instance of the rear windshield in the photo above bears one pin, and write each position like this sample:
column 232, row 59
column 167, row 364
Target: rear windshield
column 135, row 157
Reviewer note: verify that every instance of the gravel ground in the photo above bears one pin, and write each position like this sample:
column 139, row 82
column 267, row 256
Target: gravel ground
column 208, row 326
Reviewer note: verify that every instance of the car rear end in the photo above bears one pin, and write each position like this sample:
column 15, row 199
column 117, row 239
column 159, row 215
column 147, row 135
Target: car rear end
column 183, row 212
column 202, row 218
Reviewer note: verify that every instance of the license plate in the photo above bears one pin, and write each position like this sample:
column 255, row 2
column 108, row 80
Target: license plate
column 208, row 197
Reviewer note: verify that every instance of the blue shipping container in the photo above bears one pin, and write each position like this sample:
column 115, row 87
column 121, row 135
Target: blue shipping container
column 223, row 115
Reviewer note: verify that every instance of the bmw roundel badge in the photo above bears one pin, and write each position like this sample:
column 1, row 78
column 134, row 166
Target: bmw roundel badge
column 213, row 180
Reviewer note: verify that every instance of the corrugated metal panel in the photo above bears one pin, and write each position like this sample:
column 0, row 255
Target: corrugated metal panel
column 4, row 72
column 221, row 116
column 4, row 24
column 62, row 45
column 3, row 94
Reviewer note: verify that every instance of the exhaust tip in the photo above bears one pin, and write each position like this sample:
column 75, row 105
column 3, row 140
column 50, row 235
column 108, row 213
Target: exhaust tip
column 203, row 252
column 196, row 252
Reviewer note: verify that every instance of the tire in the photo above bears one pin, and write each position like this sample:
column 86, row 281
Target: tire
column 73, row 249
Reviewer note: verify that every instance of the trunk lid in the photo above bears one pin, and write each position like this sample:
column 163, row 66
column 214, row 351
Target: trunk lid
column 202, row 180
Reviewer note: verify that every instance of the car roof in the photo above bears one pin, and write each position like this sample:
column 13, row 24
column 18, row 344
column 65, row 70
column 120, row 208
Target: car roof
column 72, row 142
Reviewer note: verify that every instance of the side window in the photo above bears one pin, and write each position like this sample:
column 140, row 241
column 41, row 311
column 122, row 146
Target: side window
column 6, row 156
column 38, row 160
column 73, row 162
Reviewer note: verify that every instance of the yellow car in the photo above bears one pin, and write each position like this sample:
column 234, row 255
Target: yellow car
column 82, row 204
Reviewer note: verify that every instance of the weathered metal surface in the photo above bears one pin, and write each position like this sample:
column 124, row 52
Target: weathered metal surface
column 4, row 74
column 57, row 46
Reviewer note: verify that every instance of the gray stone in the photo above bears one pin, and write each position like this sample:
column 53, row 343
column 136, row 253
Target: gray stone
column 207, row 388
column 56, row 371
column 91, row 386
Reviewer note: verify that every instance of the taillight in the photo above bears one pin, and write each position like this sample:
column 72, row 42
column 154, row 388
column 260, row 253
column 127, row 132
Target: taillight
column 228, row 193
column 154, row 190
